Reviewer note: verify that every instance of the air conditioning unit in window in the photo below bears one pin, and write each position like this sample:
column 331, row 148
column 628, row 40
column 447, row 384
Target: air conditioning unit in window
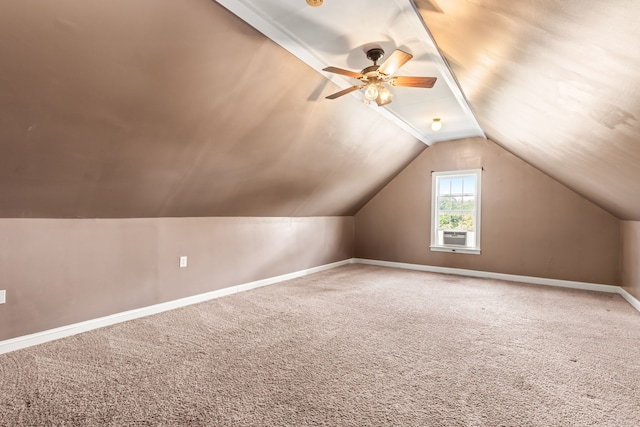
column 457, row 238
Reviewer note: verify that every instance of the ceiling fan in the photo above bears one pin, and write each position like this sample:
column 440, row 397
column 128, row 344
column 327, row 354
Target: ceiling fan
column 375, row 76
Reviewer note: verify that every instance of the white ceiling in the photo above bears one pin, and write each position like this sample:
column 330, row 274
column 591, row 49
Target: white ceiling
column 339, row 33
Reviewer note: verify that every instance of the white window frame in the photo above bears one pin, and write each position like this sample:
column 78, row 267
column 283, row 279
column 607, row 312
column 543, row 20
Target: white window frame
column 435, row 192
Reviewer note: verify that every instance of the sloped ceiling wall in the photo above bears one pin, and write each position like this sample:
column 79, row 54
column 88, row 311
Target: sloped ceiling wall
column 152, row 108
column 556, row 83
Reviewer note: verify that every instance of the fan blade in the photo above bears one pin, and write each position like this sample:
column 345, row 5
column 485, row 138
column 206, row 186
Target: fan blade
column 426, row 82
column 344, row 72
column 344, row 92
column 397, row 59
column 430, row 5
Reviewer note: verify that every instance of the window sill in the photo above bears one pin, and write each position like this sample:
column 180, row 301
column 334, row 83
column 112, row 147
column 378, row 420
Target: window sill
column 457, row 250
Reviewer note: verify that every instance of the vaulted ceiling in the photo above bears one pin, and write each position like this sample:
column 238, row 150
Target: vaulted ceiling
column 145, row 108
column 556, row 83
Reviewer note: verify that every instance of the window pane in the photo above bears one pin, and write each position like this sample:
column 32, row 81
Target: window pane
column 456, row 203
column 468, row 221
column 444, row 220
column 456, row 185
column 469, row 203
column 469, row 185
column 456, row 222
column 460, row 222
column 444, row 204
column 445, row 185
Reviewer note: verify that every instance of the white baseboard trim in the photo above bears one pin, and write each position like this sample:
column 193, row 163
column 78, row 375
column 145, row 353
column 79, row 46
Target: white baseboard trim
column 510, row 277
column 630, row 298
column 25, row 341
column 490, row 275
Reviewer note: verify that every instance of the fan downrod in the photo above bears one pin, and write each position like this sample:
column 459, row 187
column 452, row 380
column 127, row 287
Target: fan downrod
column 375, row 55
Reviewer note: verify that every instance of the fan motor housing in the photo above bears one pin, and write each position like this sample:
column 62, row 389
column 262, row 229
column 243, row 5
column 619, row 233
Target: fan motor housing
column 370, row 70
column 375, row 54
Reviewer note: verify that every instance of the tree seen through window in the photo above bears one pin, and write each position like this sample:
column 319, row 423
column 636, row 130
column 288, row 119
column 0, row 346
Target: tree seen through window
column 457, row 203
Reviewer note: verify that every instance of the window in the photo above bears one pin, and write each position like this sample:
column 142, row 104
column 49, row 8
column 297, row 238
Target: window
column 455, row 199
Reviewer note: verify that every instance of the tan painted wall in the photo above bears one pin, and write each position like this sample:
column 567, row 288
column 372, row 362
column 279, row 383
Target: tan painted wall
column 630, row 256
column 62, row 271
column 165, row 108
column 531, row 224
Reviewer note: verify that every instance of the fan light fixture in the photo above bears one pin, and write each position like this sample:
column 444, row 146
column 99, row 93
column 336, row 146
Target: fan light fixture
column 374, row 78
column 384, row 96
column 371, row 93
column 436, row 125
column 377, row 92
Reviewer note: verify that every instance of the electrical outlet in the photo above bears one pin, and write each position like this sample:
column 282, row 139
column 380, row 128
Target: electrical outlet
column 183, row 261
column 3, row 297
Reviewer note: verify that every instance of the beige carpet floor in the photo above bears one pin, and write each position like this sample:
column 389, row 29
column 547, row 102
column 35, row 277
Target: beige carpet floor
column 354, row 346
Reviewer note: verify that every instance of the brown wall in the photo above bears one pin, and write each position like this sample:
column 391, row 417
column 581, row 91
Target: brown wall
column 62, row 271
column 630, row 256
column 164, row 108
column 531, row 224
